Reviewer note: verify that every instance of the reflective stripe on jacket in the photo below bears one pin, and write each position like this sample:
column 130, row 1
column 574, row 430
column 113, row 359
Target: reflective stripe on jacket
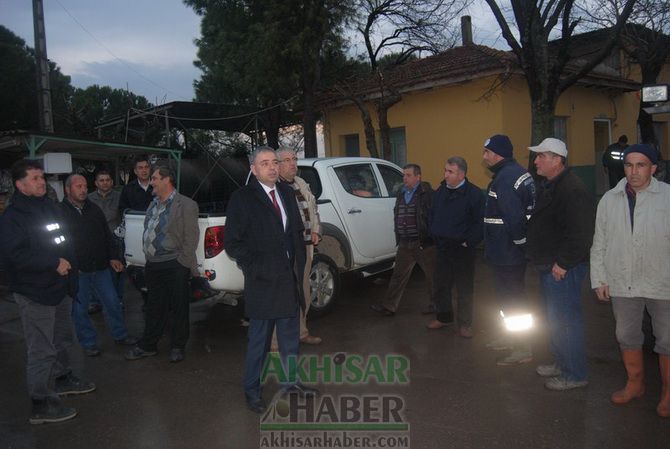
column 510, row 201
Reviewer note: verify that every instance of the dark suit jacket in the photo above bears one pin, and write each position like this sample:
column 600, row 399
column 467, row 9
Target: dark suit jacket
column 256, row 239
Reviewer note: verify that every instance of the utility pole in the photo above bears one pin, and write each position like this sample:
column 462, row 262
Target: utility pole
column 42, row 69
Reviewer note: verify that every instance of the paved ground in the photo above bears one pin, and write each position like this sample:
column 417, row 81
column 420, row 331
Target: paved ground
column 457, row 398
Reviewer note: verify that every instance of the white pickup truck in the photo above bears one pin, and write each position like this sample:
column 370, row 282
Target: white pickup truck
column 355, row 198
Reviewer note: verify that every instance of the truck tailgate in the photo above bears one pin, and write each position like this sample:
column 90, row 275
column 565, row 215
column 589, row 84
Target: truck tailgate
column 221, row 271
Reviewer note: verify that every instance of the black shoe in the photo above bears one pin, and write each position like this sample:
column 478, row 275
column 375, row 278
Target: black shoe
column 255, row 403
column 94, row 308
column 176, row 355
column 138, row 353
column 445, row 317
column 128, row 341
column 71, row 384
column 92, row 352
column 50, row 410
column 382, row 310
column 301, row 390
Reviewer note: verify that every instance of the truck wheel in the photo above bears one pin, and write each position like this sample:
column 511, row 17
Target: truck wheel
column 324, row 280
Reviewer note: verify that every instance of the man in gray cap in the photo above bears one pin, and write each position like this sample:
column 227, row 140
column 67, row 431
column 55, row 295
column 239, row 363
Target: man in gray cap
column 629, row 267
column 560, row 232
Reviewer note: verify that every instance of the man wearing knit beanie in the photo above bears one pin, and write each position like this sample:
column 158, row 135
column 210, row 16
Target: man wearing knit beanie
column 629, row 267
column 509, row 202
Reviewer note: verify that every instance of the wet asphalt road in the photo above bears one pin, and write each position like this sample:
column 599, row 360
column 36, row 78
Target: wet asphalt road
column 457, row 396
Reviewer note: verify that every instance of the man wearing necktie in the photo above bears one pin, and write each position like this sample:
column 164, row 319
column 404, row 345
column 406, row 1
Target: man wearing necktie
column 264, row 234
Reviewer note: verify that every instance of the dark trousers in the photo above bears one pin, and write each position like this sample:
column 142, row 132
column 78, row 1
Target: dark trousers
column 408, row 255
column 48, row 334
column 510, row 288
column 455, row 265
column 260, row 336
column 615, row 174
column 168, row 300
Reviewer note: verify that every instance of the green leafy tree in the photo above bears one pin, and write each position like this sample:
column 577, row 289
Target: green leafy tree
column 19, row 93
column 88, row 107
column 267, row 55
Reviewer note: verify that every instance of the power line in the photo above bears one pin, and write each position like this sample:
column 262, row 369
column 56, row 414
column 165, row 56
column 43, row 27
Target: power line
column 132, row 69
column 232, row 117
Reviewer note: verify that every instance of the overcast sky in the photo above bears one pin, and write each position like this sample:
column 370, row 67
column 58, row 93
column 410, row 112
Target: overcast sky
column 152, row 39
column 145, row 45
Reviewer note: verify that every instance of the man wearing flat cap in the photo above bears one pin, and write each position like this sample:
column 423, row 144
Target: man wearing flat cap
column 629, row 267
column 560, row 233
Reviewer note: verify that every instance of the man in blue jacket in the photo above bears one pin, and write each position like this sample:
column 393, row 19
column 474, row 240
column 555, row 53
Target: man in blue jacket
column 509, row 202
column 456, row 225
column 39, row 260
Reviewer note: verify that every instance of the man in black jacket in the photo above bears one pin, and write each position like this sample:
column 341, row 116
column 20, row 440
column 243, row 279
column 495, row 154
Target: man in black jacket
column 37, row 254
column 613, row 160
column 415, row 244
column 560, row 233
column 137, row 194
column 95, row 250
column 264, row 234
column 456, row 224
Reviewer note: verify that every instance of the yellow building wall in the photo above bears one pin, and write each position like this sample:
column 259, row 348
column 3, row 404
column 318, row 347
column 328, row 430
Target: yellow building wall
column 439, row 123
column 456, row 120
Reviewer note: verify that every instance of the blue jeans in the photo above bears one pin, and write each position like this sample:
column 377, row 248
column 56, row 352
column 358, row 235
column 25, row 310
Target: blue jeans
column 101, row 284
column 566, row 324
column 119, row 280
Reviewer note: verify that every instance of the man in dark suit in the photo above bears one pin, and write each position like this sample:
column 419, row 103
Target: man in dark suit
column 264, row 234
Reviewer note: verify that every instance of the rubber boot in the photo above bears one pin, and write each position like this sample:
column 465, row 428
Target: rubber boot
column 663, row 408
column 633, row 360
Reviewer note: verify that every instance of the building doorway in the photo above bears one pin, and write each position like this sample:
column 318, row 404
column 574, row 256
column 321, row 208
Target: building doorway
column 602, row 137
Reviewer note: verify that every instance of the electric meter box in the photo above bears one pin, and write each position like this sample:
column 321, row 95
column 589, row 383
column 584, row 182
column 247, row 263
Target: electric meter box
column 56, row 163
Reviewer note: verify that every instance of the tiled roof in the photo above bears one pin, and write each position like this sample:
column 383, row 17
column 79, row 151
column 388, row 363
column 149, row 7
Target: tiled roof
column 460, row 62
column 453, row 66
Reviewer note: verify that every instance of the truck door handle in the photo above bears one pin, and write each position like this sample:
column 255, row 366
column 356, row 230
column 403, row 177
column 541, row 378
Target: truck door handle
column 355, row 211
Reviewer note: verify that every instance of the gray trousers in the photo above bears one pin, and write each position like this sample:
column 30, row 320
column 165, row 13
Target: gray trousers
column 628, row 313
column 48, row 334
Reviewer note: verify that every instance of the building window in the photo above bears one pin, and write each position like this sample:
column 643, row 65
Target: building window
column 398, row 147
column 352, row 145
column 561, row 128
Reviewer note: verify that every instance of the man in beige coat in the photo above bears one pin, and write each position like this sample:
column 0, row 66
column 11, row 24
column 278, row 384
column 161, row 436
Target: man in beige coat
column 288, row 169
column 629, row 266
